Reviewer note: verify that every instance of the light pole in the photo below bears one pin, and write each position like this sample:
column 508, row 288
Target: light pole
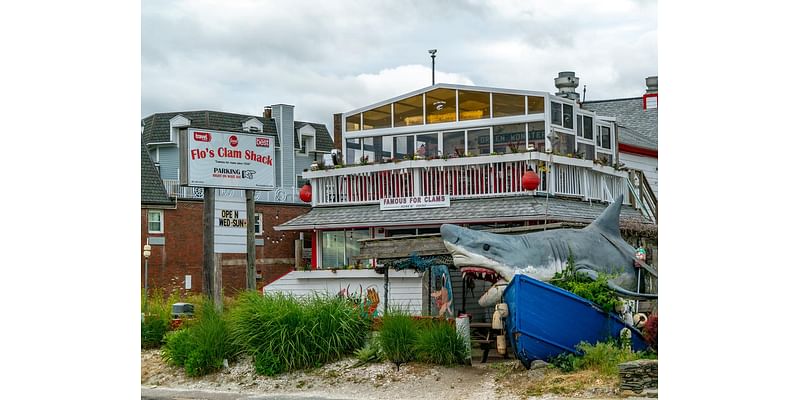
column 433, row 66
column 146, row 254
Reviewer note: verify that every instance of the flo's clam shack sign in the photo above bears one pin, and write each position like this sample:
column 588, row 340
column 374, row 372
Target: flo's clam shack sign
column 402, row 203
column 229, row 160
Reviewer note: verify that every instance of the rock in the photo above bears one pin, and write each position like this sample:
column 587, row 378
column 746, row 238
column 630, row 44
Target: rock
column 536, row 364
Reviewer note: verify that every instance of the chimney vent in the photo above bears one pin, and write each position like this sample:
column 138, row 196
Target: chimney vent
column 267, row 112
column 566, row 82
column 652, row 84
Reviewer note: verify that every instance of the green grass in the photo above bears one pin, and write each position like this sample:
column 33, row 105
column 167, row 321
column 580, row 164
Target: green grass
column 397, row 336
column 202, row 345
column 602, row 357
column 441, row 344
column 283, row 333
column 156, row 309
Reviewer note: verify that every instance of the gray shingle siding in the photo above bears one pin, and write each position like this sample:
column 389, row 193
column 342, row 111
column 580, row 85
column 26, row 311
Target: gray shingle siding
column 153, row 191
column 639, row 126
column 323, row 141
column 156, row 126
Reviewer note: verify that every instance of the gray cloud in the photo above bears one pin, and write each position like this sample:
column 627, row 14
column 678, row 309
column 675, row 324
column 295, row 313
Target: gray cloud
column 330, row 57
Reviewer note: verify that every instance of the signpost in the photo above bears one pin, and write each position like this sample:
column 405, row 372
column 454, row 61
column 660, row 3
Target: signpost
column 226, row 160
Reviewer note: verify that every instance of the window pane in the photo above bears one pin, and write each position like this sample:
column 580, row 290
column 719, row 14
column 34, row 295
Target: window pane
column 403, row 147
column 605, row 159
column 353, row 123
column 563, row 143
column 427, row 145
column 353, row 148
column 606, row 136
column 472, row 105
column 586, row 151
column 509, row 138
column 380, row 117
column 453, row 143
column 555, row 113
column 408, row 111
column 333, row 249
column 504, row 105
column 257, row 225
column 478, row 142
column 369, row 149
column 588, row 127
column 536, row 135
column 353, row 248
column 567, row 116
column 381, row 147
column 440, row 105
column 535, row 105
column 154, row 221
column 579, row 126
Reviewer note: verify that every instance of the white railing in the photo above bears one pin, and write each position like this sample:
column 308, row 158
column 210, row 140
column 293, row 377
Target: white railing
column 279, row 195
column 470, row 177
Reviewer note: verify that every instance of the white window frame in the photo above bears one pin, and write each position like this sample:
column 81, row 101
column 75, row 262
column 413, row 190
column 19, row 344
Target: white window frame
column 160, row 214
column 259, row 223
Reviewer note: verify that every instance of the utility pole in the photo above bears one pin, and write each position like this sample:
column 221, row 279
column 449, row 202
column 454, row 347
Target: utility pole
column 249, row 195
column 208, row 244
column 433, row 66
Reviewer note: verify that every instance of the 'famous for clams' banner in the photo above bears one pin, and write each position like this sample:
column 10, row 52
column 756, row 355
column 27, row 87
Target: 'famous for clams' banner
column 227, row 160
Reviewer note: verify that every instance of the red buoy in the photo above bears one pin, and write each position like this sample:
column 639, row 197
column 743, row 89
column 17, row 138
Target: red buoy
column 305, row 193
column 530, row 181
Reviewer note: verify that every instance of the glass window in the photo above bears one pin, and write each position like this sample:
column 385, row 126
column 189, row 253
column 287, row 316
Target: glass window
column 380, row 148
column 333, row 249
column 586, row 151
column 403, row 147
column 427, row 145
column 353, row 148
column 380, row 117
column 509, row 138
column 440, row 105
column 605, row 158
column 155, row 222
column 563, row 143
column 352, row 247
column 606, row 137
column 478, row 142
column 567, row 116
column 369, row 150
column 588, row 127
column 472, row 105
column 258, row 227
column 453, row 145
column 504, row 105
column 555, row 113
column 536, row 135
column 353, row 123
column 408, row 111
column 535, row 105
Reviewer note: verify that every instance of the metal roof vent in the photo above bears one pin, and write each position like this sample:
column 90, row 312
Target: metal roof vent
column 566, row 82
column 652, row 84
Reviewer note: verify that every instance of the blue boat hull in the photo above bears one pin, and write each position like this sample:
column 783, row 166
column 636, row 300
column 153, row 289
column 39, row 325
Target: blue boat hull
column 545, row 321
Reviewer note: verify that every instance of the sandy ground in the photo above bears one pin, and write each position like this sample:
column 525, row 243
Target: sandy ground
column 497, row 379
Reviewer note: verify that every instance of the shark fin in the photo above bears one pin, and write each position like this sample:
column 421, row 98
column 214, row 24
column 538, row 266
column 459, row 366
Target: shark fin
column 608, row 221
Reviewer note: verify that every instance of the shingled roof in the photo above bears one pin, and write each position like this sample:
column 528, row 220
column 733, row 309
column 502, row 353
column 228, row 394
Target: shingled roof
column 153, row 191
column 156, row 126
column 516, row 208
column 638, row 127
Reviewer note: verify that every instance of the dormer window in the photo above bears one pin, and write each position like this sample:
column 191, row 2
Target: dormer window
column 252, row 125
column 177, row 124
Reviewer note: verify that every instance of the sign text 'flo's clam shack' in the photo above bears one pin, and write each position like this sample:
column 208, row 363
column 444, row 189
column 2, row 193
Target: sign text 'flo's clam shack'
column 401, row 203
column 230, row 160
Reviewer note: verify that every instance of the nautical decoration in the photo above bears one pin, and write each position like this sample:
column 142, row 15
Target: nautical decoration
column 305, row 193
column 641, row 255
column 530, row 181
column 443, row 296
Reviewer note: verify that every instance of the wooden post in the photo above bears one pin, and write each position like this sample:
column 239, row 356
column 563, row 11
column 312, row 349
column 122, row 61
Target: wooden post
column 208, row 243
column 218, row 281
column 251, row 238
column 298, row 255
column 385, row 289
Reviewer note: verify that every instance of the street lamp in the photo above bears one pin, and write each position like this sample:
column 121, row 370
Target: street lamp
column 146, row 254
column 433, row 66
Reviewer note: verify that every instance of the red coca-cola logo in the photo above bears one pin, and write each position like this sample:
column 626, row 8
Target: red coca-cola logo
column 202, row 136
column 234, row 141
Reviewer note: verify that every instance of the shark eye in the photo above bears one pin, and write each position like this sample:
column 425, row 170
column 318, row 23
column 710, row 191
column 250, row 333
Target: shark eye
column 486, row 247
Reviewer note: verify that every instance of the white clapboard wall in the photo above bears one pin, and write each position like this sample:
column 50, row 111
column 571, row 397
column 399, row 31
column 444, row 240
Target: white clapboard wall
column 405, row 287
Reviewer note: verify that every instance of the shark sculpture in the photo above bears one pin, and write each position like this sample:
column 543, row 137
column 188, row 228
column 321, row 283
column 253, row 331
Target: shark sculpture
column 597, row 248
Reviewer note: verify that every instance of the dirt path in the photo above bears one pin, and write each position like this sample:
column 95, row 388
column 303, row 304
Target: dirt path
column 499, row 379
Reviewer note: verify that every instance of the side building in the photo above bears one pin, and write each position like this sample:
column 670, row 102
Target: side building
column 171, row 215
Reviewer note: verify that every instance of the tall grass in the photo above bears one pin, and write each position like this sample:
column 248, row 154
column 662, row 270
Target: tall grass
column 440, row 344
column 283, row 333
column 157, row 309
column 202, row 346
column 603, row 357
column 397, row 336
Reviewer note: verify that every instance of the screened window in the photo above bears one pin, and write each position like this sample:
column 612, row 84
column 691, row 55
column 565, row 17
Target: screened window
column 535, row 105
column 555, row 113
column 427, row 145
column 155, row 221
column 568, row 118
column 440, row 105
column 472, row 105
column 353, row 148
column 588, row 127
column 536, row 135
column 380, row 117
column 403, row 147
column 504, row 105
column 408, row 111
column 605, row 158
column 586, row 151
column 353, row 123
column 509, row 138
column 478, row 142
column 563, row 143
column 453, row 143
column 605, row 135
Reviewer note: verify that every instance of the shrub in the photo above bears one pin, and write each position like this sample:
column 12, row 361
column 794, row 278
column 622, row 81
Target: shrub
column 282, row 333
column 650, row 332
column 441, row 344
column 153, row 330
column 176, row 348
column 370, row 353
column 596, row 291
column 397, row 336
column 202, row 346
column 157, row 314
column 603, row 357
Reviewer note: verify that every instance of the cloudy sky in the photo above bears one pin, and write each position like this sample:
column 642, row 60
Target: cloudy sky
column 326, row 57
